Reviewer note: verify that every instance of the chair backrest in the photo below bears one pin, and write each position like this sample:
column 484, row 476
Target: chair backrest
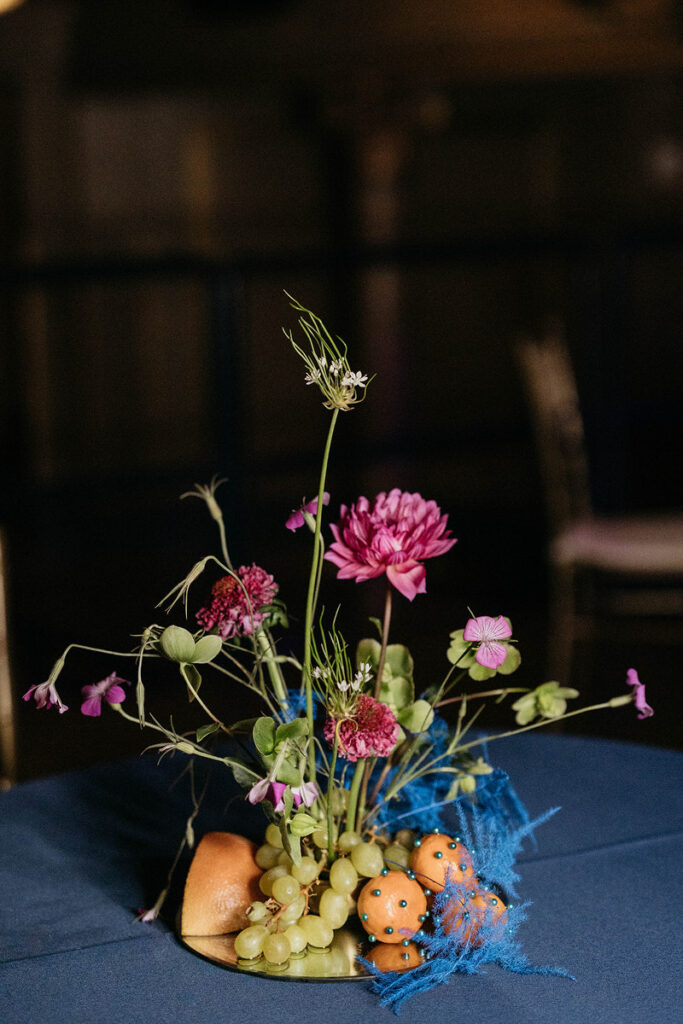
column 7, row 732
column 550, row 384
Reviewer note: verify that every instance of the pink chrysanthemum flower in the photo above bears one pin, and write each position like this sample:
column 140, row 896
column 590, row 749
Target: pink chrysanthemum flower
column 373, row 730
column 392, row 536
column 235, row 606
column 107, row 689
column 487, row 632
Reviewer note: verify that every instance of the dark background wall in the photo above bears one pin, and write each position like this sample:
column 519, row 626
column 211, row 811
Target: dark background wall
column 432, row 179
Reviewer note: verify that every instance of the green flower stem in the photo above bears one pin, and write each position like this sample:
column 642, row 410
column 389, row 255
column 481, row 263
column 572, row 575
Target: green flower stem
column 201, row 703
column 484, row 693
column 385, row 641
column 352, row 809
column 308, row 627
column 330, row 791
column 266, row 648
column 538, row 725
column 370, row 763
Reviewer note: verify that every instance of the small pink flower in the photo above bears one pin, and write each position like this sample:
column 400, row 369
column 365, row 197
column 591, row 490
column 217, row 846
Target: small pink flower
column 266, row 789
column 392, row 536
column 296, row 517
column 644, row 709
column 487, row 631
column 373, row 730
column 45, row 695
column 235, row 606
column 107, row 689
column 307, row 794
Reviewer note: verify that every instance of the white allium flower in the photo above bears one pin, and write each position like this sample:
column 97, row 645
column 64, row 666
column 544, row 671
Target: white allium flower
column 354, row 380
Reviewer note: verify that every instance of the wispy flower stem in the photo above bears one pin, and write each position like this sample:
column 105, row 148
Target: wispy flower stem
column 385, row 642
column 312, row 586
column 330, row 793
column 352, row 809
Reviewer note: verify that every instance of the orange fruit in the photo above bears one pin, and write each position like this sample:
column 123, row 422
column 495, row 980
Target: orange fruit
column 221, row 883
column 394, row 958
column 466, row 916
column 391, row 907
column 436, row 854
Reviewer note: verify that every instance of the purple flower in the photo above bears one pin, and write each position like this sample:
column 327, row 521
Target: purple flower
column 267, row 789
column 46, row 696
column 487, row 631
column 644, row 709
column 108, row 689
column 296, row 517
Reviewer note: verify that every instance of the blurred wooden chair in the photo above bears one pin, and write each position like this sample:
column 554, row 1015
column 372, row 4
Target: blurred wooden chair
column 7, row 731
column 604, row 570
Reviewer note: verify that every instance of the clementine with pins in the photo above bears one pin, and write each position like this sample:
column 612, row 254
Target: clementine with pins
column 392, row 907
column 435, row 855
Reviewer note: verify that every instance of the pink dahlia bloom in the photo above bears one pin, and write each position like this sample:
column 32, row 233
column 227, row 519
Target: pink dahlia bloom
column 392, row 536
column 373, row 730
column 234, row 609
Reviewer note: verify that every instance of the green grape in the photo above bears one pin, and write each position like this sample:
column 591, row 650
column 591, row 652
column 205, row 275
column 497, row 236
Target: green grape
column 284, row 889
column 249, row 943
column 334, row 908
column 266, row 856
column 367, row 859
column 285, row 859
column 320, row 838
column 257, row 911
column 306, row 871
column 274, row 836
column 396, row 857
column 266, row 880
column 297, row 938
column 347, row 841
column 405, row 837
column 317, row 932
column 294, row 911
column 343, row 876
column 276, row 948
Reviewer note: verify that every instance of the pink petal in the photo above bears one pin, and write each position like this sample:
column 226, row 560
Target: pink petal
column 490, row 654
column 115, row 695
column 92, row 707
column 408, row 578
column 259, row 791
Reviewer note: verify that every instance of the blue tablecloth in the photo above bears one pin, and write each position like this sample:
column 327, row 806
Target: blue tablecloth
column 80, row 853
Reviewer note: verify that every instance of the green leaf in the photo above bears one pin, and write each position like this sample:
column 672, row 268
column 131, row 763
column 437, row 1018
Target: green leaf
column 264, row 735
column 456, row 653
column 244, row 725
column 243, row 776
column 177, row 643
column 397, row 693
column 206, row 649
column 480, row 672
column 207, row 730
column 291, row 730
column 377, row 623
column 417, row 717
column 512, row 661
column 191, row 675
column 289, row 773
column 400, row 661
column 368, row 650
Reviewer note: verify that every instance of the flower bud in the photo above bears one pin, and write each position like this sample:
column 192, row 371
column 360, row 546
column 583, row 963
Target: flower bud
column 177, row 644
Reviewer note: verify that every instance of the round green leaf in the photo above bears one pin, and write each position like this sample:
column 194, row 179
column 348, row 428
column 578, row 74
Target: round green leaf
column 206, row 649
column 177, row 643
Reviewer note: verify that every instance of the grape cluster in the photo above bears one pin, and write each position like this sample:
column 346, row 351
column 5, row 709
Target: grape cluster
column 305, row 903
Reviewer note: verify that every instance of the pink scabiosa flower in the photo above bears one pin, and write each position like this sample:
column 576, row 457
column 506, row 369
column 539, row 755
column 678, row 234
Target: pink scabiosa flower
column 108, row 689
column 297, row 517
column 371, row 731
column 45, row 695
column 486, row 632
column 392, row 536
column 643, row 708
column 235, row 604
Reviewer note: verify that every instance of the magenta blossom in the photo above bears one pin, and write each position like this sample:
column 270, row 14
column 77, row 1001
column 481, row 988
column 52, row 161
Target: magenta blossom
column 107, row 689
column 644, row 709
column 235, row 604
column 486, row 632
column 45, row 695
column 267, row 789
column 372, row 731
column 296, row 517
column 392, row 536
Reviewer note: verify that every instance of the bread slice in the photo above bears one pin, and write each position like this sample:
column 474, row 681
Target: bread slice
column 221, row 884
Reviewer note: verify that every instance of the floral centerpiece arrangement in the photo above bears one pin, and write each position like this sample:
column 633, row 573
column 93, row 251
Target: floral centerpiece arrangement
column 374, row 806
